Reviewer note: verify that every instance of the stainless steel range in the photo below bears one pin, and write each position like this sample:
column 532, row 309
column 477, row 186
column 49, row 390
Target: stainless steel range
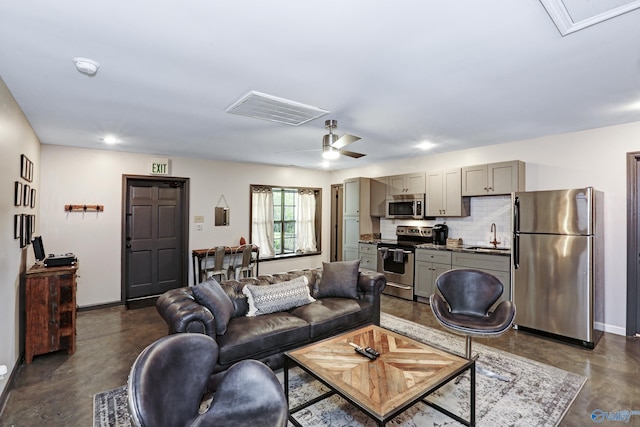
column 396, row 259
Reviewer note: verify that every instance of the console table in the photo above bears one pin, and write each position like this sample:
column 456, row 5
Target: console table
column 198, row 255
column 50, row 303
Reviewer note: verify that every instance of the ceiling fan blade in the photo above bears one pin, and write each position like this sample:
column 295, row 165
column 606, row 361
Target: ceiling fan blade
column 345, row 140
column 352, row 154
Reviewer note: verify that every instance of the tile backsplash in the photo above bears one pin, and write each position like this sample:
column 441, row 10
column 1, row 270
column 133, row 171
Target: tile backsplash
column 474, row 229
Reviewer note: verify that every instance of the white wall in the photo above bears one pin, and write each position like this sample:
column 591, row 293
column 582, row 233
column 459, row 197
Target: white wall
column 16, row 138
column 594, row 158
column 83, row 176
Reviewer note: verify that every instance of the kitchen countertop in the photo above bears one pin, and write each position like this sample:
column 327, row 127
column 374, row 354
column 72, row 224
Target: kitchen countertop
column 468, row 248
column 464, row 248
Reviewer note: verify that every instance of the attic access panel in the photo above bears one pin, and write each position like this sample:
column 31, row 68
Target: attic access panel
column 574, row 15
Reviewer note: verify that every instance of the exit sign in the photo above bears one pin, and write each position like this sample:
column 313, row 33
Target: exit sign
column 159, row 167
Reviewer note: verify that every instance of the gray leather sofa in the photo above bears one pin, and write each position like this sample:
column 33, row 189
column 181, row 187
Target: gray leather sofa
column 344, row 299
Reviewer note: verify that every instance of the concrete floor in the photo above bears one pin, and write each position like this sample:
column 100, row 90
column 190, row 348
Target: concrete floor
column 57, row 389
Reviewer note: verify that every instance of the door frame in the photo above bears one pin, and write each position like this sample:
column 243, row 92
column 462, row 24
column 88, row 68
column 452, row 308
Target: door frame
column 633, row 242
column 126, row 180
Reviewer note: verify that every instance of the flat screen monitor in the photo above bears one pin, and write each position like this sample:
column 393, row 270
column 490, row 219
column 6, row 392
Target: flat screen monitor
column 38, row 248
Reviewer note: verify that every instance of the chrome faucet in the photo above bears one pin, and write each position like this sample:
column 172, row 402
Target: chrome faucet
column 495, row 239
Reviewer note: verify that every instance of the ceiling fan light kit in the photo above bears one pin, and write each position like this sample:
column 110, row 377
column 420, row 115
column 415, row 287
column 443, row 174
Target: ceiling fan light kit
column 328, row 151
column 331, row 144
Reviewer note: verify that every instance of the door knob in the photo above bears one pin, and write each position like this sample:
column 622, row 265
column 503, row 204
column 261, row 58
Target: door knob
column 128, row 245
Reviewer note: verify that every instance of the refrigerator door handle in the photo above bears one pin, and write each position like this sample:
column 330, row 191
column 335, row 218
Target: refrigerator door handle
column 516, row 232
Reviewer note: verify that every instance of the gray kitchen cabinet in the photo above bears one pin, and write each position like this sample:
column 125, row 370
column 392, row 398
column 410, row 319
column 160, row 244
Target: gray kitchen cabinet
column 429, row 265
column 498, row 265
column 377, row 205
column 493, row 178
column 444, row 194
column 356, row 219
column 399, row 185
column 368, row 253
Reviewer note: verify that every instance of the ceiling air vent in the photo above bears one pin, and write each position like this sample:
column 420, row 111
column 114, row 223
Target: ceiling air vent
column 266, row 107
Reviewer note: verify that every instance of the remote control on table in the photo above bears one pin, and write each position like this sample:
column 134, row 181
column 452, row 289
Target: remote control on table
column 362, row 351
column 372, row 351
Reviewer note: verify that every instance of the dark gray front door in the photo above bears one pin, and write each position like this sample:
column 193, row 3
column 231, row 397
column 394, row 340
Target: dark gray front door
column 155, row 230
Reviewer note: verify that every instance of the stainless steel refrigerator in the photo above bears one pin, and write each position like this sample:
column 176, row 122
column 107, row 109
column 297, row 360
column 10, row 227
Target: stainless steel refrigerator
column 558, row 263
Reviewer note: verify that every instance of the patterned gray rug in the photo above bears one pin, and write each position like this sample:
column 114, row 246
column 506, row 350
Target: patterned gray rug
column 536, row 394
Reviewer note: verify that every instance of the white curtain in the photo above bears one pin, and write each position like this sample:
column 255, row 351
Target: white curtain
column 262, row 228
column 305, row 222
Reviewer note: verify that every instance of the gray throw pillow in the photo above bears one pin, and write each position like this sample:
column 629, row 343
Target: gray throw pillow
column 283, row 296
column 339, row 279
column 211, row 295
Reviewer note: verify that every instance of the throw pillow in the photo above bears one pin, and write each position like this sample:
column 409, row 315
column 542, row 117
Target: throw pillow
column 211, row 295
column 339, row 279
column 278, row 296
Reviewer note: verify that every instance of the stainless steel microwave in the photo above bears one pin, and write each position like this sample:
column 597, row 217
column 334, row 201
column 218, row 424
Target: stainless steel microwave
column 410, row 206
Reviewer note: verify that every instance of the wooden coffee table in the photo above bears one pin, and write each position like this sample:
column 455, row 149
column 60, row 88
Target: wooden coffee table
column 405, row 373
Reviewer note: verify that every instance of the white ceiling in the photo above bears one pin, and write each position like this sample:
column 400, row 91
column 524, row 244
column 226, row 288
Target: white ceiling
column 457, row 73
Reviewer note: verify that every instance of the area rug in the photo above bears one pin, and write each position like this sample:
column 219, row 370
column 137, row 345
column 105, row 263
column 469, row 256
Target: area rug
column 535, row 395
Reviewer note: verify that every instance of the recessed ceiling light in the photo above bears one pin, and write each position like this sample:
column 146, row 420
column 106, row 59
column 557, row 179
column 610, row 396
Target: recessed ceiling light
column 110, row 139
column 426, row 145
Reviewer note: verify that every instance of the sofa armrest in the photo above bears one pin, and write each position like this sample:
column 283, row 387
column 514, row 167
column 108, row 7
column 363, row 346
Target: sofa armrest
column 371, row 286
column 182, row 313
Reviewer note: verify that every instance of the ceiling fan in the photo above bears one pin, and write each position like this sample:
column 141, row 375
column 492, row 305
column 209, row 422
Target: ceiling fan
column 332, row 144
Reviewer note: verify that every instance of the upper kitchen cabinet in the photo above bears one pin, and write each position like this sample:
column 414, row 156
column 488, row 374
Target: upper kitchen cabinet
column 493, row 178
column 357, row 218
column 444, row 194
column 399, row 185
column 377, row 203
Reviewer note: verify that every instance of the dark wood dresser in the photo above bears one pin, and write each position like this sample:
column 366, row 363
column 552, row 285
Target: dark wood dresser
column 50, row 303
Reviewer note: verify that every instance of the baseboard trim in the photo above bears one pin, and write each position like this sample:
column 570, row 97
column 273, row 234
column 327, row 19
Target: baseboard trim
column 4, row 397
column 99, row 306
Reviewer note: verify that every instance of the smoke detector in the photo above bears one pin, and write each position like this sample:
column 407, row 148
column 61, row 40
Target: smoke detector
column 86, row 66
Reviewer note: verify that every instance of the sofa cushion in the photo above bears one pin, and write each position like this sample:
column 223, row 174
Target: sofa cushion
column 328, row 316
column 339, row 279
column 277, row 297
column 211, row 295
column 256, row 337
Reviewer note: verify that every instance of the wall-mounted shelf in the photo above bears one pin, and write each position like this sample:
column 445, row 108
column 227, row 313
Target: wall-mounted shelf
column 84, row 208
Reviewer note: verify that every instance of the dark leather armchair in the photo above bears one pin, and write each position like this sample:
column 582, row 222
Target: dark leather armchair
column 467, row 296
column 168, row 381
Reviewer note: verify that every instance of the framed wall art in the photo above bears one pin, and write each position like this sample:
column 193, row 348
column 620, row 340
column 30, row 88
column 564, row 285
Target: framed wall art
column 23, row 231
column 26, row 197
column 26, row 168
column 17, row 226
column 17, row 195
column 33, row 198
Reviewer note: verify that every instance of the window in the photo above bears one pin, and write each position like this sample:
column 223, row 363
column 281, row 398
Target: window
column 285, row 221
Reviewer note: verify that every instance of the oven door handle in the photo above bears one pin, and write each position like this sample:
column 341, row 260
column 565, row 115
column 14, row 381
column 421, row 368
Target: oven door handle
column 404, row 252
column 396, row 285
column 394, row 250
